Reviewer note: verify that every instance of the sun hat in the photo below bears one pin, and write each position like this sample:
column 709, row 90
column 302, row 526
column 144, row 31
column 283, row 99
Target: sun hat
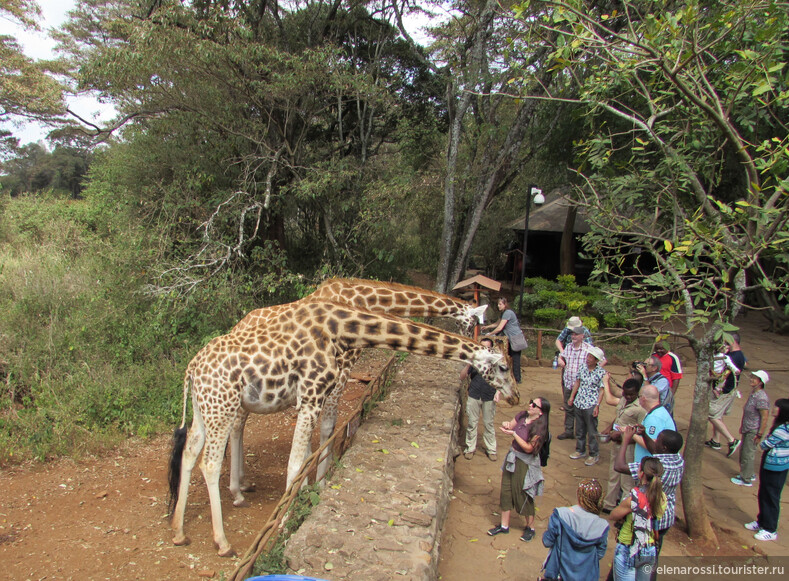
column 762, row 375
column 574, row 322
column 577, row 330
column 598, row 353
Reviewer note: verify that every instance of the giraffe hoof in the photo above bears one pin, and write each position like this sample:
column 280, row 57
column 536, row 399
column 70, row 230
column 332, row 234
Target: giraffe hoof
column 229, row 552
column 181, row 541
column 241, row 503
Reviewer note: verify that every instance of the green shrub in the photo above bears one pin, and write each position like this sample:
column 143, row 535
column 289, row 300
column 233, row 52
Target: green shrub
column 567, row 282
column 550, row 316
column 549, row 298
column 87, row 358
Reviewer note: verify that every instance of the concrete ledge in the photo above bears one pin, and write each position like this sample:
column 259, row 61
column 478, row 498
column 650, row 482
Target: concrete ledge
column 381, row 515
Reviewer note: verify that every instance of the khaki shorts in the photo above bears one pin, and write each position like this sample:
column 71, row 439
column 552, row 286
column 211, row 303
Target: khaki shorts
column 721, row 405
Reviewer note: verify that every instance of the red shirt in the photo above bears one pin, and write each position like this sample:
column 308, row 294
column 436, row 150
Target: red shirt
column 670, row 368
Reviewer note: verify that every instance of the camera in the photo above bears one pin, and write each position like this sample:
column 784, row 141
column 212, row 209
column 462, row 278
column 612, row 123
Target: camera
column 634, row 365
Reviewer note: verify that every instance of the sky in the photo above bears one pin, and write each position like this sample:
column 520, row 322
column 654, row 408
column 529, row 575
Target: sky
column 38, row 45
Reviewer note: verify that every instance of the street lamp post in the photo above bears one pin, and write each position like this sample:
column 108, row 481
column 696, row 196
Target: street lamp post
column 535, row 194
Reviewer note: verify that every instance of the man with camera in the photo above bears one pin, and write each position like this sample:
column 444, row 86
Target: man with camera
column 650, row 369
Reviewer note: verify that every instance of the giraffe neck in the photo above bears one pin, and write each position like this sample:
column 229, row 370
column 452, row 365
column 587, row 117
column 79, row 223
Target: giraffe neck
column 393, row 298
column 359, row 329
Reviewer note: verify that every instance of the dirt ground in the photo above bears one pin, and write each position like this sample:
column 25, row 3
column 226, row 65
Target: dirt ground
column 104, row 517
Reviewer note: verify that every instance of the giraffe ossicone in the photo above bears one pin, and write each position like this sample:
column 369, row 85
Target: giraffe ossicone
column 297, row 354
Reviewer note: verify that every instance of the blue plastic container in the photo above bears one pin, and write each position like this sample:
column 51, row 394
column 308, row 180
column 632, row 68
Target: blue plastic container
column 284, row 578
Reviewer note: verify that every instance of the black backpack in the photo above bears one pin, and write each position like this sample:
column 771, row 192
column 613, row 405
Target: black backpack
column 545, row 451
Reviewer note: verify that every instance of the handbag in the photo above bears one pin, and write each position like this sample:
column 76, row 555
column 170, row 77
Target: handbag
column 645, row 556
column 518, row 342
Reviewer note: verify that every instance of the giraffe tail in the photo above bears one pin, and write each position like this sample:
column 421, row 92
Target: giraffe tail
column 174, row 475
column 176, row 456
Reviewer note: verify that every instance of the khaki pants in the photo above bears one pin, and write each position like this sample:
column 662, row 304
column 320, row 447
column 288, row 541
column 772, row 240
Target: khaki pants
column 618, row 482
column 747, row 453
column 475, row 408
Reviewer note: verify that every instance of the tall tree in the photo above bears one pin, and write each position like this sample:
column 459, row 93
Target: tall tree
column 491, row 135
column 273, row 114
column 26, row 88
column 685, row 159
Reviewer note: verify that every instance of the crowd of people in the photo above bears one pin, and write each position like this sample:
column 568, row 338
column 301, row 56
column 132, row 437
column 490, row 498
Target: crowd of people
column 646, row 464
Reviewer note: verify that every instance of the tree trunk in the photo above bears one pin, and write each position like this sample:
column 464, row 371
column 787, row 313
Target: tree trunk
column 567, row 246
column 692, row 483
column 477, row 55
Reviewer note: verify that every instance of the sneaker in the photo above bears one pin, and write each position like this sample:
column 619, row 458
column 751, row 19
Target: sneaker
column 492, row 456
column 713, row 444
column 764, row 535
column 733, row 448
column 592, row 460
column 577, row 455
column 740, row 482
column 498, row 529
column 528, row 534
column 468, row 455
column 753, row 526
column 565, row 436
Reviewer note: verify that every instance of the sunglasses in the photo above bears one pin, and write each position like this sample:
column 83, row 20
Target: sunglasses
column 531, row 403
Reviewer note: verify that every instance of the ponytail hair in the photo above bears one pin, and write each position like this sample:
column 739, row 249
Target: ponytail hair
column 653, row 470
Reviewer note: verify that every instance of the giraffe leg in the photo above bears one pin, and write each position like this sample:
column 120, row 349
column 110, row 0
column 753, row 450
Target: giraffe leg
column 305, row 423
column 328, row 421
column 194, row 443
column 346, row 361
column 211, row 466
column 237, row 459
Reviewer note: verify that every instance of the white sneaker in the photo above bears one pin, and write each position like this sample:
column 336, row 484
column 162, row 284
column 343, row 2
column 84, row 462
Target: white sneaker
column 740, row 482
column 753, row 526
column 577, row 455
column 592, row 460
column 763, row 535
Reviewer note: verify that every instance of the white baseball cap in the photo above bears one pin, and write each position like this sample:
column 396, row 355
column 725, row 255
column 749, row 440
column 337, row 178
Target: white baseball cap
column 762, row 375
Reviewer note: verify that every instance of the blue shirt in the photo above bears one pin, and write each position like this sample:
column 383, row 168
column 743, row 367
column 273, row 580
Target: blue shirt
column 655, row 422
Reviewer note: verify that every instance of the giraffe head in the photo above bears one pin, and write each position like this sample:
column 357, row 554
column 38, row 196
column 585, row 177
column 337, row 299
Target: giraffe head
column 493, row 365
column 470, row 318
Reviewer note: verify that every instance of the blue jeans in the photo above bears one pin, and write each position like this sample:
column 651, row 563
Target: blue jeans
column 624, row 569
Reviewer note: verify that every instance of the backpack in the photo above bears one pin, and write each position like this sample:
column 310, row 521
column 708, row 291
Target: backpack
column 545, row 451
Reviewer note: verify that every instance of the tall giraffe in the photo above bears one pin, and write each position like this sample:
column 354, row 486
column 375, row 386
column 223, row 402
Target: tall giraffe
column 381, row 297
column 294, row 359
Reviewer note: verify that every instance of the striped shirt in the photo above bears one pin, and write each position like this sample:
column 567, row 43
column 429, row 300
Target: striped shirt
column 673, row 469
column 777, row 446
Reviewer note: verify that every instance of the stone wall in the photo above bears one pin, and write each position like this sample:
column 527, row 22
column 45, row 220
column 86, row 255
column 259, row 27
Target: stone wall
column 381, row 514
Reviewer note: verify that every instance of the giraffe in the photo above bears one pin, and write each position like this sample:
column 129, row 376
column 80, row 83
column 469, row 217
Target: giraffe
column 294, row 359
column 392, row 298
